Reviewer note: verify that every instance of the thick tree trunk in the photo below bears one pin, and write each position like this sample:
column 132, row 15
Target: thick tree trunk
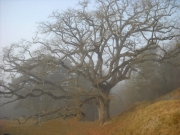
column 103, row 110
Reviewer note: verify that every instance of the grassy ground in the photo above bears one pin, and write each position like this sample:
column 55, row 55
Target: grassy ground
column 158, row 118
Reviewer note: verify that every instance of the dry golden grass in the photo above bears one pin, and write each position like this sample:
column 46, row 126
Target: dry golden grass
column 51, row 127
column 158, row 118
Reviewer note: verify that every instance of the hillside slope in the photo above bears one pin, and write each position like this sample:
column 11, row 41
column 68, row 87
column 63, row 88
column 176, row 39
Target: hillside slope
column 174, row 95
column 161, row 117
column 158, row 118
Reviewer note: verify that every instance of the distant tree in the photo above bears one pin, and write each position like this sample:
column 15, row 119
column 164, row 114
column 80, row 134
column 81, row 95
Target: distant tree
column 169, row 75
column 146, row 80
column 153, row 80
column 40, row 100
column 40, row 103
column 104, row 44
column 45, row 102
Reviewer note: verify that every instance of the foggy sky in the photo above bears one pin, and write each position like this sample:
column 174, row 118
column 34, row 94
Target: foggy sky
column 19, row 18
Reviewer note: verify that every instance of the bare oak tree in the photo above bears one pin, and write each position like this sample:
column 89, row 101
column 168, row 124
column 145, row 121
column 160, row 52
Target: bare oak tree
column 105, row 43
